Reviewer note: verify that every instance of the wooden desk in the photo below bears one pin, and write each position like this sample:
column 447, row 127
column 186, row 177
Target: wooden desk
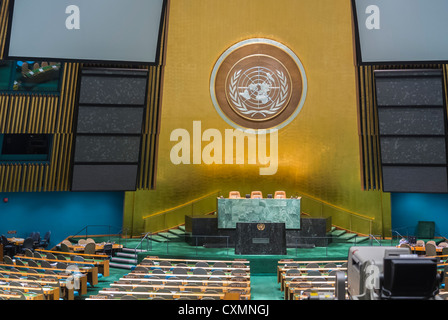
column 174, row 295
column 190, row 261
column 68, row 293
column 28, row 296
column 16, row 241
column 103, row 265
column 91, row 272
column 50, row 293
column 98, row 256
column 323, row 271
column 282, row 268
column 423, row 250
column 191, row 268
column 53, row 283
column 291, row 287
column 78, row 248
column 189, row 274
column 186, row 287
column 244, row 283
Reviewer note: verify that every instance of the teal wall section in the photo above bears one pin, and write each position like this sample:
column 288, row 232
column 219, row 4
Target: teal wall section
column 409, row 208
column 63, row 213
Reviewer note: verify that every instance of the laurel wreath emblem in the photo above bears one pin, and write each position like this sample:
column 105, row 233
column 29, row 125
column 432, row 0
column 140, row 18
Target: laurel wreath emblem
column 274, row 106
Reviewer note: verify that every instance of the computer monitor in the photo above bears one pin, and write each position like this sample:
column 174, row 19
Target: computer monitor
column 409, row 278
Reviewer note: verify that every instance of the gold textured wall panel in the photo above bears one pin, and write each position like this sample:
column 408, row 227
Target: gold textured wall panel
column 318, row 151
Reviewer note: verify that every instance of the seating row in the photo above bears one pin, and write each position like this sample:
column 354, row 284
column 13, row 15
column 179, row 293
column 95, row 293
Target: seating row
column 49, row 286
column 166, row 279
column 83, row 273
column 301, row 279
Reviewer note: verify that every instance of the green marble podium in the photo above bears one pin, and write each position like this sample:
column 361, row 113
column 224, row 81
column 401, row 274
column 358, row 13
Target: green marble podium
column 233, row 211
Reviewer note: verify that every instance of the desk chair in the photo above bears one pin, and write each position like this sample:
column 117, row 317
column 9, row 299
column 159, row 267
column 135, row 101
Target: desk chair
column 65, row 248
column 28, row 243
column 430, row 249
column 45, row 241
column 280, row 195
column 36, row 238
column 107, row 249
column 90, row 248
column 256, row 195
column 8, row 248
column 234, row 195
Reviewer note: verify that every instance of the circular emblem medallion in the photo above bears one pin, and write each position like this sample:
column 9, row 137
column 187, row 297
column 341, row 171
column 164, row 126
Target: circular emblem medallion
column 258, row 84
column 261, row 226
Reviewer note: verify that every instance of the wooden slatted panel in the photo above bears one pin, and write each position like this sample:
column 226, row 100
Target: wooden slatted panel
column 151, row 126
column 4, row 18
column 41, row 114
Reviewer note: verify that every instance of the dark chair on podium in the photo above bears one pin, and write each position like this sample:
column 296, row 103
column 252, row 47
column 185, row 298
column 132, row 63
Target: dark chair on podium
column 45, row 241
column 9, row 248
column 107, row 249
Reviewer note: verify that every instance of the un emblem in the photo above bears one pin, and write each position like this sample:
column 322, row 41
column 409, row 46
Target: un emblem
column 261, row 226
column 258, row 84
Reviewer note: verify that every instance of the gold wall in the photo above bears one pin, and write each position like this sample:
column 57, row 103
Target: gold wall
column 318, row 151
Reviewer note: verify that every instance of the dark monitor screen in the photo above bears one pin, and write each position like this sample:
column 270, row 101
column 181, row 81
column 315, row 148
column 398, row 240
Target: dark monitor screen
column 409, row 277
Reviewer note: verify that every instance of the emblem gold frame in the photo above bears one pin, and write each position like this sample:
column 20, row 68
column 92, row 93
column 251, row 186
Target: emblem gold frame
column 242, row 50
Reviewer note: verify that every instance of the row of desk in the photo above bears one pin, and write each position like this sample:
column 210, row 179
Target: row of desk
column 52, row 272
column 156, row 278
column 299, row 279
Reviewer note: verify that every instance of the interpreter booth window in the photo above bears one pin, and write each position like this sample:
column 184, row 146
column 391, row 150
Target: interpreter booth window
column 30, row 76
column 25, row 147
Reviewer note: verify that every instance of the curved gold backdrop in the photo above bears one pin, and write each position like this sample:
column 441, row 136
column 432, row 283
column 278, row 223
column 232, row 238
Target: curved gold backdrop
column 318, row 152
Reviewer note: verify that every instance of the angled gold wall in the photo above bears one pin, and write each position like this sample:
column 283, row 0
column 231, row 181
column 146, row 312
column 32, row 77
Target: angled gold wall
column 319, row 154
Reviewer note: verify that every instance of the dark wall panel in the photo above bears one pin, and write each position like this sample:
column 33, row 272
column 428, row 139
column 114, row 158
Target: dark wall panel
column 411, row 150
column 104, row 177
column 104, row 120
column 411, row 121
column 412, row 130
column 113, row 88
column 107, row 149
column 398, row 88
column 109, row 129
column 415, row 179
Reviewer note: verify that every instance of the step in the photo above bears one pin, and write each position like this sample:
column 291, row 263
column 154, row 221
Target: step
column 168, row 235
column 121, row 266
column 347, row 236
column 158, row 238
column 177, row 232
column 130, row 250
column 358, row 239
column 182, row 228
column 126, row 255
column 338, row 233
column 123, row 260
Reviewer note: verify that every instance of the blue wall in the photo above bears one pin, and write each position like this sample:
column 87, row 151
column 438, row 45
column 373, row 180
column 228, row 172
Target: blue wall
column 409, row 208
column 63, row 213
